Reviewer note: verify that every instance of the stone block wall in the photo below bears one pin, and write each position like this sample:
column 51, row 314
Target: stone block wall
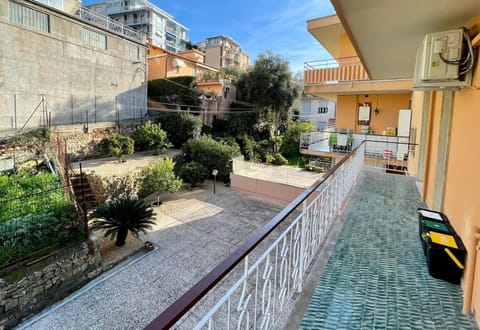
column 31, row 288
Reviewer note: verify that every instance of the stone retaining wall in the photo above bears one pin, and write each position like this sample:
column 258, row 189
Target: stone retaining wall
column 29, row 289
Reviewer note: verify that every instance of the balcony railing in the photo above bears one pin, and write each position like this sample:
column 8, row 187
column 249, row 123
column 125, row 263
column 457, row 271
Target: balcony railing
column 334, row 70
column 252, row 287
column 109, row 24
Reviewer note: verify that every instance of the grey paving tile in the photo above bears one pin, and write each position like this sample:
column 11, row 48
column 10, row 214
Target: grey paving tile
column 379, row 258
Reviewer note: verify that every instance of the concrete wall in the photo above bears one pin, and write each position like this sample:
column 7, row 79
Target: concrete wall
column 274, row 191
column 54, row 74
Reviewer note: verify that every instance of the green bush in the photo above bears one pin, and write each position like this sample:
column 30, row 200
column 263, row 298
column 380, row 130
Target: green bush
column 291, row 139
column 158, row 176
column 21, row 236
column 212, row 154
column 151, row 136
column 171, row 90
column 25, row 193
column 181, row 127
column 116, row 145
column 194, row 173
column 269, row 159
column 280, row 160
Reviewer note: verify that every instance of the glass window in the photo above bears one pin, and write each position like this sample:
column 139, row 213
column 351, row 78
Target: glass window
column 322, row 109
column 94, row 39
column 29, row 17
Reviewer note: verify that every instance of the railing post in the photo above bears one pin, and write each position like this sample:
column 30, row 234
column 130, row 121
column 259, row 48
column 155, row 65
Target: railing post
column 301, row 262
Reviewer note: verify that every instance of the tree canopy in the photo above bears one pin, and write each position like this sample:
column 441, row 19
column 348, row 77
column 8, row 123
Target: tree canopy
column 271, row 86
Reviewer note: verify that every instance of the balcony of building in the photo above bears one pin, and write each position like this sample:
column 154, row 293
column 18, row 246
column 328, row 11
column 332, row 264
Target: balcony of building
column 346, row 75
column 348, row 246
column 109, row 24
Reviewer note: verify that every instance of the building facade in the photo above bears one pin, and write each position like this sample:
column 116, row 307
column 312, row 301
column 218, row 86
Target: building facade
column 62, row 69
column 319, row 111
column 222, row 51
column 219, row 92
column 159, row 26
column 380, row 69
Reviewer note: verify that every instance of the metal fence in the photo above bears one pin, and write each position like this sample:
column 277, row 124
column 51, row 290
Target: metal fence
column 21, row 111
column 261, row 281
column 36, row 214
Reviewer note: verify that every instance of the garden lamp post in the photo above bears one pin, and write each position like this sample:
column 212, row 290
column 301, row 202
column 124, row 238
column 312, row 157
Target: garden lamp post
column 214, row 173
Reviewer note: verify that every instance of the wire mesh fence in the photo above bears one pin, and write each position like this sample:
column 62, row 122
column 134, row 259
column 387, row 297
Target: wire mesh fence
column 23, row 111
column 37, row 212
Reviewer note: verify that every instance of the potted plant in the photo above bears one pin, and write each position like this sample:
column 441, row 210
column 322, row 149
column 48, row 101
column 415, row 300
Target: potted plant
column 149, row 246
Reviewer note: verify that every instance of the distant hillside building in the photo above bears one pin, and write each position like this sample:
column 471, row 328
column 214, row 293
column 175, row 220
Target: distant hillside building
column 223, row 51
column 219, row 92
column 317, row 110
column 159, row 26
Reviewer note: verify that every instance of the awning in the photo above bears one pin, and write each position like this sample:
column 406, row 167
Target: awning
column 178, row 62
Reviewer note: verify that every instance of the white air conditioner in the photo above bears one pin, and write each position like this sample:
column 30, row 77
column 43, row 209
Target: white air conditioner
column 441, row 61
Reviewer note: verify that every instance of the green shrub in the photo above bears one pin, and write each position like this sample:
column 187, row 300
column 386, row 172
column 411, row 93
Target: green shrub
column 116, row 145
column 194, row 173
column 181, row 127
column 26, row 193
column 158, row 176
column 212, row 154
column 279, row 160
column 269, row 159
column 291, row 139
column 21, row 236
column 151, row 136
column 171, row 90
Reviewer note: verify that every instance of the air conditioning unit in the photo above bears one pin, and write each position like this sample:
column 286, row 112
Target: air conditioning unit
column 444, row 60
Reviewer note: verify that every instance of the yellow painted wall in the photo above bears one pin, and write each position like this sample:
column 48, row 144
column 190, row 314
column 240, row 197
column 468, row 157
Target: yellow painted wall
column 462, row 193
column 387, row 104
column 417, row 110
column 346, row 111
column 156, row 68
column 431, row 146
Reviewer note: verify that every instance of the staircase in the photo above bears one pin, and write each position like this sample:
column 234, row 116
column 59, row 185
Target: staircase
column 82, row 189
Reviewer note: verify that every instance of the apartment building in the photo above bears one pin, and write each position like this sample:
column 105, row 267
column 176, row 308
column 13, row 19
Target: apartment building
column 219, row 91
column 221, row 51
column 67, row 68
column 376, row 72
column 317, row 110
column 159, row 26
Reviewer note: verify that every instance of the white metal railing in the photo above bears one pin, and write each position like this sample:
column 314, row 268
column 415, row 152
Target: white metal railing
column 266, row 276
column 331, row 63
column 107, row 23
column 279, row 174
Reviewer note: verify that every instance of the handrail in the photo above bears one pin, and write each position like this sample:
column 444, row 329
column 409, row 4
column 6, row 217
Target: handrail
column 183, row 304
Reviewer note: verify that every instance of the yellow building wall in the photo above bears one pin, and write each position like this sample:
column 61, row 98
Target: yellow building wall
column 157, row 68
column 431, row 146
column 417, row 111
column 346, row 111
column 388, row 106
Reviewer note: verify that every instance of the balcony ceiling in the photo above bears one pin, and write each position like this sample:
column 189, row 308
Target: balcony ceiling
column 386, row 33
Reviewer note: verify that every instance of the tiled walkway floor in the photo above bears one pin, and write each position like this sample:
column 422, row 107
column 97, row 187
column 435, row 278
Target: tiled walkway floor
column 376, row 276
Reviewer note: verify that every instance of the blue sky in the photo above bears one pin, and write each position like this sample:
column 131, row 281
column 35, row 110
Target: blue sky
column 276, row 25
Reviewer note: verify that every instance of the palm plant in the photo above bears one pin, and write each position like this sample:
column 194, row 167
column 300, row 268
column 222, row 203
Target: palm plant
column 122, row 215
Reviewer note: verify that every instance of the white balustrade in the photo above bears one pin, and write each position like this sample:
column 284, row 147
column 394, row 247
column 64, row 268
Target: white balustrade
column 265, row 285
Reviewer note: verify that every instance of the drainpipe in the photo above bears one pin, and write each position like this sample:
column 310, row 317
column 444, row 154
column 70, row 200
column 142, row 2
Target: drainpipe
column 473, row 246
